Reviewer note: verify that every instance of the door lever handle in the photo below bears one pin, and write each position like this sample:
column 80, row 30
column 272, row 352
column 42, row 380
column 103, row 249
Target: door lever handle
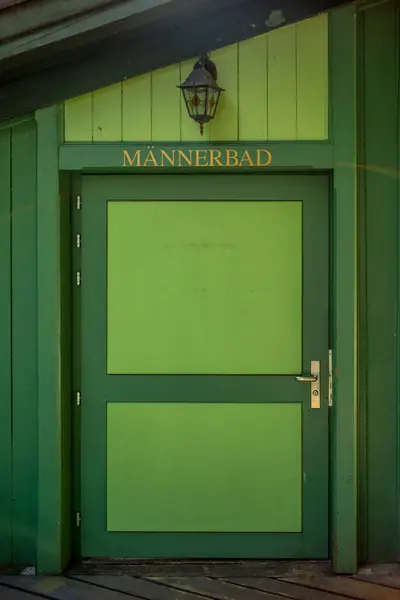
column 313, row 378
column 307, row 378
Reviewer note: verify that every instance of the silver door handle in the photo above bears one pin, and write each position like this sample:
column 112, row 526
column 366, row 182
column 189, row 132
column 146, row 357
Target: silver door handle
column 313, row 378
column 307, row 378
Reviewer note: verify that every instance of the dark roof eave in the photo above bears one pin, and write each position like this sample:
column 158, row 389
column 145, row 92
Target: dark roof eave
column 156, row 44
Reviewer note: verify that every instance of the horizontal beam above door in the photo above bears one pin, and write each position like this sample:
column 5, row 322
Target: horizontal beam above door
column 159, row 157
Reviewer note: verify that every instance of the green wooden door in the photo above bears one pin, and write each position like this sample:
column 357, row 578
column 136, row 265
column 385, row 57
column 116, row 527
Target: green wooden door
column 202, row 297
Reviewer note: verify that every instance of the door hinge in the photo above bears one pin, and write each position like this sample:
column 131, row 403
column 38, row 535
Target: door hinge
column 78, row 278
column 78, row 398
column 78, row 240
column 78, row 519
column 330, row 381
column 78, row 203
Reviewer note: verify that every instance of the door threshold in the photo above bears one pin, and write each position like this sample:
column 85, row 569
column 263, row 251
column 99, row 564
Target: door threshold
column 200, row 568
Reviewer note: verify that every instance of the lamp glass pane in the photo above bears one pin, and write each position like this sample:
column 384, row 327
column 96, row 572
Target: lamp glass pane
column 213, row 96
column 196, row 101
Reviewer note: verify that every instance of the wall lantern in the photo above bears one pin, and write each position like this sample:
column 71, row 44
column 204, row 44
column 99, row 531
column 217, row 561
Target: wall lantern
column 201, row 92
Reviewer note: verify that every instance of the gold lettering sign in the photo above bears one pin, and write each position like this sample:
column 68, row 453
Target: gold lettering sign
column 199, row 157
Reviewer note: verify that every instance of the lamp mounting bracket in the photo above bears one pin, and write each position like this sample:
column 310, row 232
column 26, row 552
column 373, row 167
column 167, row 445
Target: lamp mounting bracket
column 206, row 63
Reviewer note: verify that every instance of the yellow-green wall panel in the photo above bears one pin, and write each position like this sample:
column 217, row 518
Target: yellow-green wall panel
column 107, row 114
column 225, row 125
column 312, row 75
column 282, row 84
column 165, row 102
column 78, row 114
column 253, row 99
column 136, row 108
column 276, row 89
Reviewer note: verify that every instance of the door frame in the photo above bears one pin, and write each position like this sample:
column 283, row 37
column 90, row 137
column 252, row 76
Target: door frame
column 55, row 513
column 317, row 189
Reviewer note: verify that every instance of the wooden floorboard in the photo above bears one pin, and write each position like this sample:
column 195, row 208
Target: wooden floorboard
column 139, row 587
column 391, row 581
column 12, row 594
column 386, row 575
column 62, row 588
column 215, row 569
column 285, row 589
column 292, row 581
column 215, row 588
column 348, row 587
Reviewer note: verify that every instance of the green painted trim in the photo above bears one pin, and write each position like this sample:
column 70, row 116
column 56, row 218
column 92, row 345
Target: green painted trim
column 76, row 365
column 15, row 121
column 362, row 303
column 24, row 343
column 344, row 431
column 398, row 286
column 5, row 347
column 66, row 363
column 50, row 454
column 105, row 156
column 381, row 72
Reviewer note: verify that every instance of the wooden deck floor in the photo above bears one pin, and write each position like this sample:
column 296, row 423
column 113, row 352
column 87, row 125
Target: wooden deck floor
column 244, row 581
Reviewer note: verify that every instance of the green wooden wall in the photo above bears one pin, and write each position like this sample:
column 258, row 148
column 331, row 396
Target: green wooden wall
column 18, row 343
column 379, row 195
column 276, row 89
column 34, row 363
column 5, row 346
column 92, row 118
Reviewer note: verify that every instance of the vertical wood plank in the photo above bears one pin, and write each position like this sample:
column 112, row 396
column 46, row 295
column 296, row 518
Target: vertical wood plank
column 166, row 108
column 78, row 119
column 276, row 88
column 282, row 84
column 24, row 342
column 107, row 114
column 253, row 89
column 362, row 306
column 69, row 468
column 5, row 346
column 50, row 426
column 344, row 446
column 380, row 103
column 225, row 123
column 312, row 78
column 190, row 131
column 398, row 296
column 136, row 109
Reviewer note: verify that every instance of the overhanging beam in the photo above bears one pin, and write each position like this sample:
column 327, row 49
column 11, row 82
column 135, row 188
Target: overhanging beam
column 197, row 27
